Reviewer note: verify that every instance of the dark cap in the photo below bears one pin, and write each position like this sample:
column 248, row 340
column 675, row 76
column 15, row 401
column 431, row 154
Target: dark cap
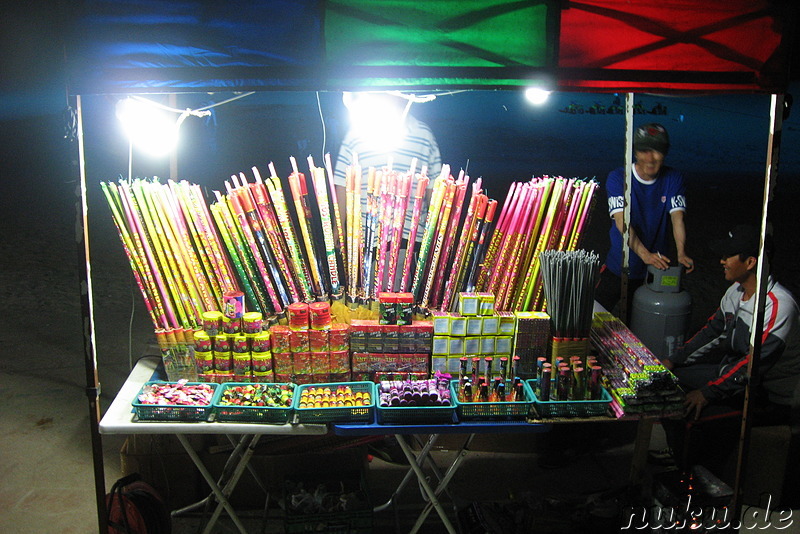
column 742, row 239
column 651, row 136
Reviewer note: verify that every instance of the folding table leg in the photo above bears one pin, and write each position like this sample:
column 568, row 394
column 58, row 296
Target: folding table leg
column 221, row 498
column 434, row 501
column 419, row 460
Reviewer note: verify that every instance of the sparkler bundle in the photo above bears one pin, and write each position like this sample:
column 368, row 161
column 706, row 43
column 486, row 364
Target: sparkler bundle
column 544, row 214
column 278, row 244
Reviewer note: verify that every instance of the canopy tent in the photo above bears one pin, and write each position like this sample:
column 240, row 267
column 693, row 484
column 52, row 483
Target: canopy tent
column 124, row 46
column 180, row 46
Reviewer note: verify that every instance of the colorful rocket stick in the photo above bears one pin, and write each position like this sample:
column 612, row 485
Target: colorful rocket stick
column 491, row 206
column 319, row 182
column 419, row 196
column 461, row 250
column 439, row 189
column 437, row 250
column 337, row 216
column 450, row 236
column 401, row 205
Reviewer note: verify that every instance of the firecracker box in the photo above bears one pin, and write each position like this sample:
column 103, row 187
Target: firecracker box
column 282, row 363
column 267, row 377
column 486, row 306
column 318, row 341
column 456, row 347
column 391, row 338
column 320, row 378
column 262, row 362
column 339, row 337
column 341, row 377
column 491, row 325
column 439, row 364
column 508, row 323
column 503, row 345
column 388, row 308
column 441, row 345
column 405, row 308
column 441, row 322
column 472, row 345
column 407, row 338
column 359, row 362
column 320, row 362
column 301, row 363
column 339, row 361
column 280, row 338
column 299, row 341
column 458, row 325
column 487, row 344
column 468, row 303
column 474, row 326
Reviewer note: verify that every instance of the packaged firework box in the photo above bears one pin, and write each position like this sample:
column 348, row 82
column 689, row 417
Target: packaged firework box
column 341, row 377
column 206, row 377
column 359, row 362
column 362, row 377
column 231, row 325
column 243, row 378
column 223, row 362
column 391, row 337
column 405, row 308
column 240, row 344
column 281, row 363
column 221, row 378
column 318, row 341
column 340, row 361
column 339, row 337
column 320, row 378
column 320, row 362
column 302, row 363
column 299, row 341
column 222, row 343
column 441, row 322
column 262, row 342
column 284, row 378
column 280, row 338
column 204, row 362
column 358, row 335
column 263, row 361
column 203, row 342
column 242, row 364
column 266, row 377
column 387, row 308
column 303, row 379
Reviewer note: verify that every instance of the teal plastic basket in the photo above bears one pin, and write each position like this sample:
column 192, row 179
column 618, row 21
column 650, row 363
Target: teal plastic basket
column 506, row 410
column 411, row 415
column 570, row 408
column 336, row 414
column 173, row 412
column 251, row 414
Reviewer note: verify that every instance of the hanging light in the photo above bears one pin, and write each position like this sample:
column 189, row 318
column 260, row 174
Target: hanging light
column 151, row 127
column 537, row 95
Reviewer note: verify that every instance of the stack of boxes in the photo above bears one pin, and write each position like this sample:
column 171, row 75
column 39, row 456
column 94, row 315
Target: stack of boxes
column 475, row 330
column 392, row 344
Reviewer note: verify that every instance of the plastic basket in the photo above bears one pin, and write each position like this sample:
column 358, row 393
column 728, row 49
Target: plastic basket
column 571, row 408
column 341, row 522
column 410, row 415
column 339, row 414
column 172, row 412
column 250, row 414
column 493, row 410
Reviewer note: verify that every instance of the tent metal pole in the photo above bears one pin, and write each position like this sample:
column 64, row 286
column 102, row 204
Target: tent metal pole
column 89, row 347
column 762, row 276
column 624, row 312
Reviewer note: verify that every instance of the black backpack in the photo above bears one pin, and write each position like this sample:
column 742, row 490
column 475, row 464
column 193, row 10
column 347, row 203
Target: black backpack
column 134, row 507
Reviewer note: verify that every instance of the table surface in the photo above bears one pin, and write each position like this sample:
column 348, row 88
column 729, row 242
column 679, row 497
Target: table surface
column 119, row 418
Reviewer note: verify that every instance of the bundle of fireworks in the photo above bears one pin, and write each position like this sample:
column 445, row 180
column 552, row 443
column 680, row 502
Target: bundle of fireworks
column 488, row 379
column 543, row 214
column 389, row 348
column 531, row 340
column 634, row 376
column 573, row 379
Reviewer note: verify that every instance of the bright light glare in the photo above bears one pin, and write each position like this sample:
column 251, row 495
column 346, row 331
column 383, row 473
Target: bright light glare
column 151, row 130
column 536, row 95
column 378, row 119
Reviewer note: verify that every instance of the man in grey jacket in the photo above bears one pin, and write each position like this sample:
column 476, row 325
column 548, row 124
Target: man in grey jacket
column 712, row 366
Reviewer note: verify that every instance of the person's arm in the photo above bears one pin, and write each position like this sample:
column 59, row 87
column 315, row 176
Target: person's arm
column 637, row 247
column 679, row 233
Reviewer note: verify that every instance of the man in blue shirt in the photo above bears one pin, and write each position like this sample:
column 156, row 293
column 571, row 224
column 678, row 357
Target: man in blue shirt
column 658, row 199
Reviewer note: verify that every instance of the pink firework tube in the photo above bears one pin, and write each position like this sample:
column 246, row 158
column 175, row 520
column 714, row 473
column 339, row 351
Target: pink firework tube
column 236, row 207
column 419, row 196
column 576, row 192
column 542, row 190
column 437, row 250
column 508, row 276
column 504, row 237
column 461, row 250
column 273, row 184
column 168, row 316
column 225, row 269
column 447, row 247
column 351, row 254
column 534, row 289
column 505, row 249
column 401, row 203
column 474, row 235
column 134, row 261
column 318, row 179
column 497, row 238
column 386, row 218
column 258, row 193
column 337, row 216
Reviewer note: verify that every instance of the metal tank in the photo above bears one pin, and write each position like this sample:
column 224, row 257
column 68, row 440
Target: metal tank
column 661, row 311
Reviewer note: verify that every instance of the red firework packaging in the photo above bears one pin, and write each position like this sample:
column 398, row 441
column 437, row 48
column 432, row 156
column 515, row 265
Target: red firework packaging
column 231, row 325
column 281, row 363
column 320, row 362
column 280, row 336
column 405, row 308
column 212, row 322
column 222, row 343
column 302, row 363
column 320, row 315
column 223, row 362
column 318, row 341
column 339, row 337
column 267, row 377
column 298, row 341
column 298, row 316
column 391, row 337
column 252, row 322
column 233, row 304
column 320, row 378
column 242, row 364
column 204, row 361
column 284, row 377
column 261, row 342
column 339, row 361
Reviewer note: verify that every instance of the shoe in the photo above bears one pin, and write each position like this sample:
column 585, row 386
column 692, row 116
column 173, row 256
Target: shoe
column 663, row 457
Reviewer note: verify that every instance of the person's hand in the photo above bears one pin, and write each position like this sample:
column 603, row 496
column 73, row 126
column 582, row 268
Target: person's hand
column 657, row 260
column 687, row 262
column 667, row 363
column 695, row 401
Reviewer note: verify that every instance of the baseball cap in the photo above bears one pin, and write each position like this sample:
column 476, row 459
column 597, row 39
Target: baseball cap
column 742, row 239
column 652, row 136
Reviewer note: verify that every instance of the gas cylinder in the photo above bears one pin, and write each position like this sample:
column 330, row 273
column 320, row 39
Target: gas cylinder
column 661, row 311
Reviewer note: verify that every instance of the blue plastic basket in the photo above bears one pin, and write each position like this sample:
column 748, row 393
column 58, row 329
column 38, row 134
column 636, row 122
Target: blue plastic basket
column 173, row 412
column 493, row 410
column 250, row 414
column 338, row 414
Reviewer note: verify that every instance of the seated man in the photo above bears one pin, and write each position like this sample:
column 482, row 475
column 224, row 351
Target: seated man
column 712, row 365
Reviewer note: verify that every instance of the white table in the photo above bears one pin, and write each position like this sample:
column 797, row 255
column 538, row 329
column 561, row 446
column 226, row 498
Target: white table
column 119, row 419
